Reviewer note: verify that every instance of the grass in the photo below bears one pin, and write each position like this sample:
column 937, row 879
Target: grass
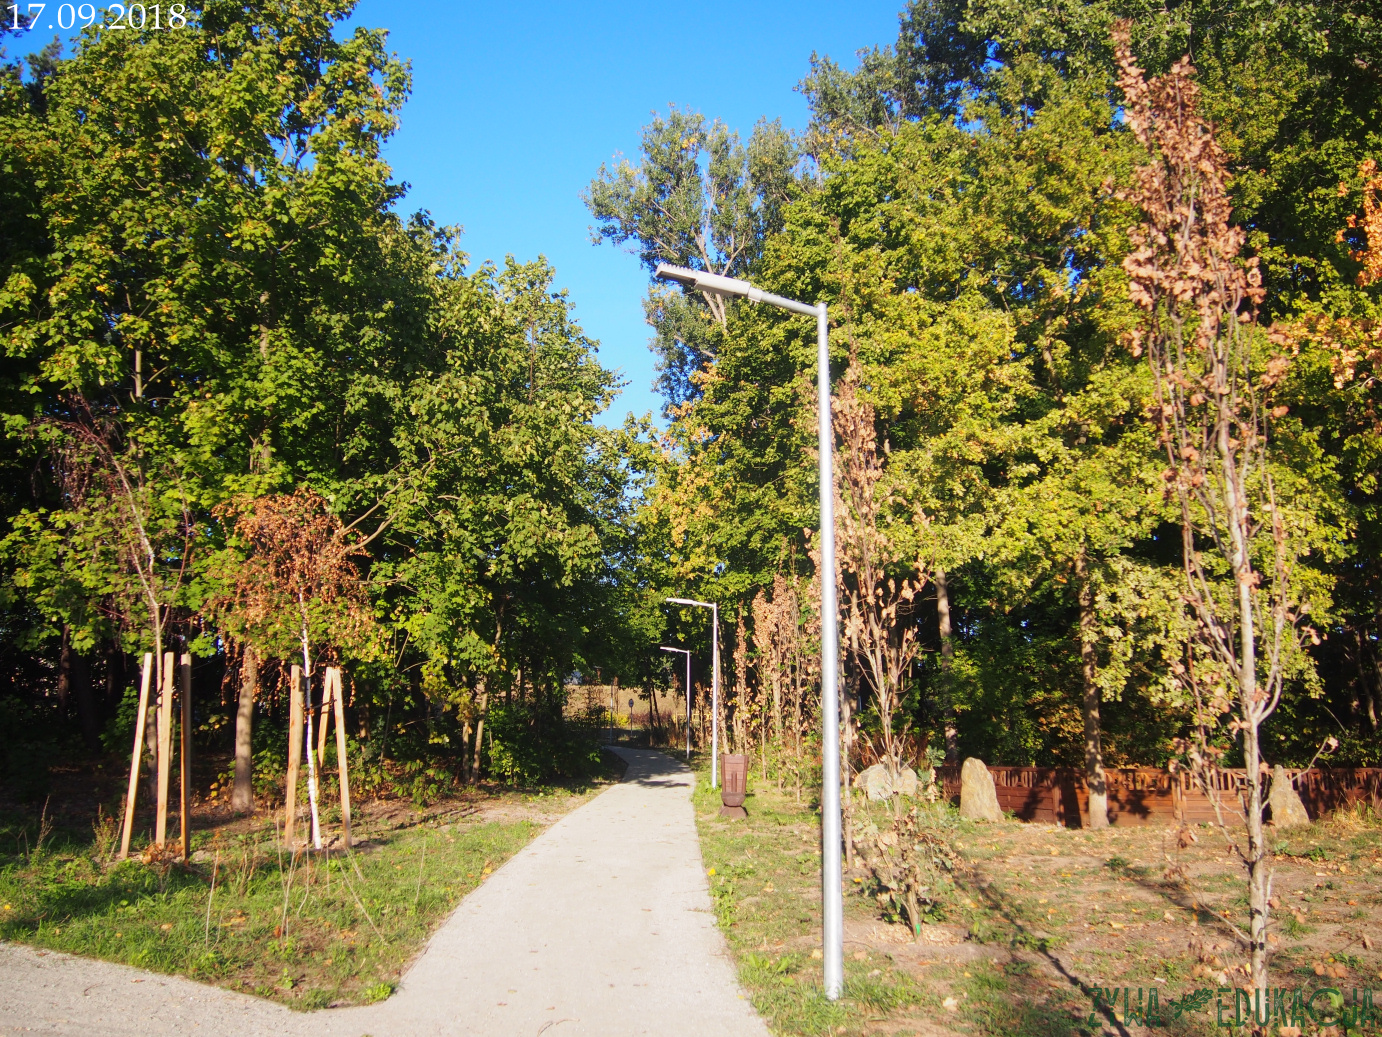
column 764, row 876
column 310, row 930
column 1048, row 916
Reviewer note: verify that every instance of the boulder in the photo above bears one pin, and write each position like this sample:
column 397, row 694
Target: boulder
column 906, row 783
column 875, row 782
column 978, row 798
column 1287, row 809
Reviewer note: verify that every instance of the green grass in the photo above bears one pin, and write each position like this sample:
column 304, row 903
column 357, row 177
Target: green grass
column 309, row 931
column 764, row 875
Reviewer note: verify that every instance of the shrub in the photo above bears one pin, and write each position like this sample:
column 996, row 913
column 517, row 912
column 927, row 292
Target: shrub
column 533, row 746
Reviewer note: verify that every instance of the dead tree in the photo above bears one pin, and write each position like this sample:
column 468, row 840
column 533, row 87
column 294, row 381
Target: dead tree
column 1199, row 295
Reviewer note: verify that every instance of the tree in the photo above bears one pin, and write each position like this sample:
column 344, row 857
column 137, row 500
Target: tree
column 879, row 587
column 215, row 277
column 1205, row 354
column 293, row 584
column 699, row 198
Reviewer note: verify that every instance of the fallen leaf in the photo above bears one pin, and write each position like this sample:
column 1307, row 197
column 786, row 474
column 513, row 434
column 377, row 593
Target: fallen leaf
column 951, row 1005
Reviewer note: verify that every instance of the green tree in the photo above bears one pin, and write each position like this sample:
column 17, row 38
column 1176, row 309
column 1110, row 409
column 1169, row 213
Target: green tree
column 699, row 197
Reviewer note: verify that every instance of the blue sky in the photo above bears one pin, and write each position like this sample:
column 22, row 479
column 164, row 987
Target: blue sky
column 515, row 105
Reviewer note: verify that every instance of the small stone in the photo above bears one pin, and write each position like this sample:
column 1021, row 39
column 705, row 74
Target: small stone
column 1287, row 809
column 978, row 798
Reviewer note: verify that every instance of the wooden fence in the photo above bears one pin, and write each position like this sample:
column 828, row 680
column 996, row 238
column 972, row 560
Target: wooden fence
column 1146, row 795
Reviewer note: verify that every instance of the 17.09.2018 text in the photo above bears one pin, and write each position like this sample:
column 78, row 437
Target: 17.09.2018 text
column 116, row 16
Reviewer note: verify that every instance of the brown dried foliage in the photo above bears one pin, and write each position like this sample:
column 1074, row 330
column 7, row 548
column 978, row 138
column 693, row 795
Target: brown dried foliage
column 300, row 569
column 1370, row 223
column 784, row 670
column 878, row 586
column 911, row 864
column 1198, row 294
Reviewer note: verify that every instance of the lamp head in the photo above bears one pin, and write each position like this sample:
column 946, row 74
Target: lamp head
column 714, row 284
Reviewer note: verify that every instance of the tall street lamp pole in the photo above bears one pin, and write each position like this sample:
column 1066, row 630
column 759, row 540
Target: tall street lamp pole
column 833, row 900
column 686, row 652
column 714, row 685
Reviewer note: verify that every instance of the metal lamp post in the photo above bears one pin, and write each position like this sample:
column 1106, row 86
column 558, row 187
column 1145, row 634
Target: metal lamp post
column 714, row 684
column 686, row 652
column 833, row 901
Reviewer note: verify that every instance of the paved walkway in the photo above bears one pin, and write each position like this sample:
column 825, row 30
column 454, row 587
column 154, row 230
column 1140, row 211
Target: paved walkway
column 601, row 926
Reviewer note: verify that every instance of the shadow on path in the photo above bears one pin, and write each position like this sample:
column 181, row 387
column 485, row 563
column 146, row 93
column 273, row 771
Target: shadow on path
column 652, row 769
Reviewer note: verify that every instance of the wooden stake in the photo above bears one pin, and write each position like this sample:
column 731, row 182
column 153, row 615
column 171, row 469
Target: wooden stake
column 136, row 756
column 338, row 700
column 325, row 717
column 185, row 750
column 165, row 747
column 294, row 756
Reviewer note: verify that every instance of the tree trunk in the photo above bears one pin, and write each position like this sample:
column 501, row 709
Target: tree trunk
column 482, row 700
column 952, row 733
column 1259, row 862
column 846, row 707
column 115, row 678
column 64, row 685
column 74, row 686
column 1093, row 736
column 1369, row 660
column 242, row 795
column 777, row 699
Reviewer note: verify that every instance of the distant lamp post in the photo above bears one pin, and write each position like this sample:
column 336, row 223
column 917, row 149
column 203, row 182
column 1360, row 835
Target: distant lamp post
column 714, row 684
column 833, row 901
column 686, row 652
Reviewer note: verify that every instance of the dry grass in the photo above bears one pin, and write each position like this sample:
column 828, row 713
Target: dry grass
column 1041, row 918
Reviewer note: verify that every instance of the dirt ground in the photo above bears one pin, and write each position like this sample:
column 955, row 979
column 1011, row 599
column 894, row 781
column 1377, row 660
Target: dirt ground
column 1048, row 927
column 1064, row 913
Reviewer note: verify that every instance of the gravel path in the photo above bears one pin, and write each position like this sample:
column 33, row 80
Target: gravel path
column 601, row 926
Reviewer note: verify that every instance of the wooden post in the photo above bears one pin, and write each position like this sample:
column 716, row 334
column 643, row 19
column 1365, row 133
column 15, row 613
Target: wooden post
column 338, row 701
column 137, row 755
column 294, row 755
column 324, row 716
column 185, row 750
column 165, row 746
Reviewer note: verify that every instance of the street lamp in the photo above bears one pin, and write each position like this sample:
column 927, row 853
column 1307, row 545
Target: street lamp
column 714, row 684
column 833, row 901
column 686, row 652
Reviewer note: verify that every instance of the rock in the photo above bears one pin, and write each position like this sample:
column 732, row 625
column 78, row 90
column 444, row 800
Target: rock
column 1287, row 809
column 978, row 798
column 907, row 782
column 876, row 782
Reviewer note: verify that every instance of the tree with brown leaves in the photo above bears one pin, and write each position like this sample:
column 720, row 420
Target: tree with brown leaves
column 298, row 585
column 879, row 586
column 1198, row 295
